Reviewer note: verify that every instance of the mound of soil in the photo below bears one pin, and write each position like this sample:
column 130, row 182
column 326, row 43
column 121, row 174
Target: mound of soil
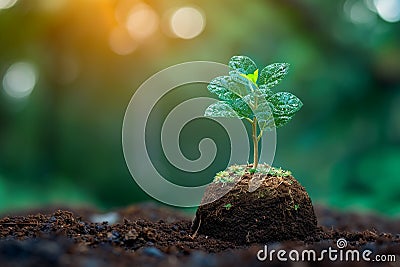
column 279, row 209
column 64, row 238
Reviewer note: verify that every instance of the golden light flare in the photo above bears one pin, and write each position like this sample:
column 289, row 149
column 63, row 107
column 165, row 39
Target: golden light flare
column 121, row 42
column 52, row 5
column 123, row 8
column 142, row 21
column 187, row 22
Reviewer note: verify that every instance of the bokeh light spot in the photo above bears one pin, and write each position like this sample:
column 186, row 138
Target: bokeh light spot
column 121, row 42
column 370, row 5
column 389, row 10
column 52, row 5
column 19, row 80
column 187, row 22
column 358, row 12
column 4, row 4
column 142, row 21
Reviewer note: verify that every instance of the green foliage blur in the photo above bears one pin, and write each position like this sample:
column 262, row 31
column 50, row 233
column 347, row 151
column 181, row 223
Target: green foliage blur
column 61, row 143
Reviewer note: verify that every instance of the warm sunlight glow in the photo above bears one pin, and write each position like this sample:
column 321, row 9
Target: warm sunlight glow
column 389, row 10
column 4, row 4
column 52, row 5
column 122, row 9
column 187, row 22
column 142, row 21
column 121, row 42
column 19, row 80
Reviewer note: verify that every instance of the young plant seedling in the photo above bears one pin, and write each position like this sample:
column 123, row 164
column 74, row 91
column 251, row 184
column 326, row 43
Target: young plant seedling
column 247, row 94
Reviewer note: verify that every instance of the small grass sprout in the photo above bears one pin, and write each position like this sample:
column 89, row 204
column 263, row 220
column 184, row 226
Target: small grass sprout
column 223, row 177
column 228, row 206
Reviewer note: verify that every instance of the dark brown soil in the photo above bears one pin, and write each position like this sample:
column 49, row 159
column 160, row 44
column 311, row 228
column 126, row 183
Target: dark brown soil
column 63, row 238
column 280, row 209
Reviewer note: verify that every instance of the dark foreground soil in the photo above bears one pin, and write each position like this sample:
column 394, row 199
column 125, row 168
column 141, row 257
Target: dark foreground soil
column 147, row 235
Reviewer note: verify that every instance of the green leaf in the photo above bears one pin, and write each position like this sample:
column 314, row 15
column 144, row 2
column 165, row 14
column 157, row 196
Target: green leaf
column 221, row 109
column 241, row 108
column 218, row 86
column 242, row 64
column 263, row 89
column 231, row 91
column 247, row 94
column 251, row 77
column 224, row 86
column 261, row 110
column 272, row 74
column 279, row 121
column 285, row 104
column 243, row 81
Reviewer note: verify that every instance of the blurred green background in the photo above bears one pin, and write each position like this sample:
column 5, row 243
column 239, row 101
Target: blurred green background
column 68, row 69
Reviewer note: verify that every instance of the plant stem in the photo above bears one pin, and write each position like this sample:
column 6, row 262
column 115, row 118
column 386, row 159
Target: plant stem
column 255, row 143
column 260, row 135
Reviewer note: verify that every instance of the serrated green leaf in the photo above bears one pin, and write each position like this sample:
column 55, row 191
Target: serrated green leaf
column 242, row 64
column 272, row 74
column 285, row 104
column 221, row 109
